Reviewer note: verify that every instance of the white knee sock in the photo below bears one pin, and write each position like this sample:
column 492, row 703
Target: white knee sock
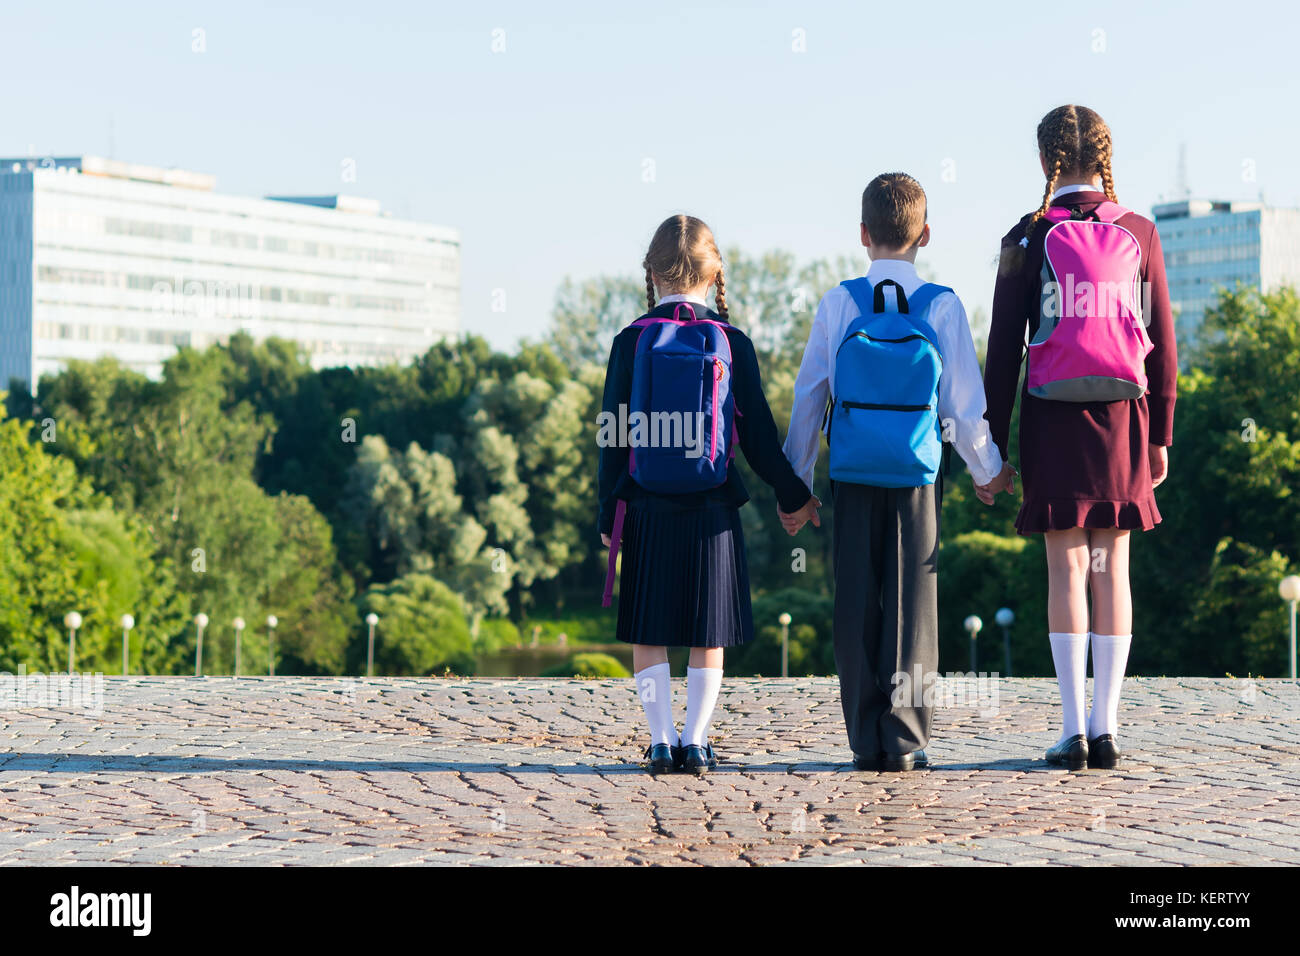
column 702, row 686
column 654, row 687
column 1109, row 658
column 1070, row 656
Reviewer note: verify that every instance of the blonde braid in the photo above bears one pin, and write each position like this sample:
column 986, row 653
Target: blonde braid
column 720, row 294
column 649, row 289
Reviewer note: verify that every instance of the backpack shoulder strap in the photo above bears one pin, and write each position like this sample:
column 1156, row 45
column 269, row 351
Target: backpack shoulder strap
column 1110, row 211
column 860, row 289
column 917, row 304
column 920, row 300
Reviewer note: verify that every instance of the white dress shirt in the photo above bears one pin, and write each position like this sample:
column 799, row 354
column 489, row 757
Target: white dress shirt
column 693, row 299
column 961, row 386
column 1076, row 188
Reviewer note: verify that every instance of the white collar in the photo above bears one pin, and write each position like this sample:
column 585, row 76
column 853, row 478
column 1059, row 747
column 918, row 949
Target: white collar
column 1078, row 188
column 891, row 269
column 683, row 298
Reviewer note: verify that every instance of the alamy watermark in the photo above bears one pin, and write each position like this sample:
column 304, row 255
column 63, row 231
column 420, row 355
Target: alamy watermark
column 683, row 430
column 956, row 690
column 83, row 692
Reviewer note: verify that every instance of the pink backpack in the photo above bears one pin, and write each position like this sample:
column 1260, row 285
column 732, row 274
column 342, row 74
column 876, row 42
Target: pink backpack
column 1091, row 344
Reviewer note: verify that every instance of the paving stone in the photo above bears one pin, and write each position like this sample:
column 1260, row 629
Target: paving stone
column 293, row 771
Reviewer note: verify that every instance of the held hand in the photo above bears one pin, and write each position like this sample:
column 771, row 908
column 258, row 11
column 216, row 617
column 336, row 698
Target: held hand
column 793, row 522
column 1158, row 458
column 1005, row 480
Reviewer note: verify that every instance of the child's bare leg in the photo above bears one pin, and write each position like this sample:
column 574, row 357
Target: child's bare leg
column 1068, row 560
column 707, row 657
column 1112, row 600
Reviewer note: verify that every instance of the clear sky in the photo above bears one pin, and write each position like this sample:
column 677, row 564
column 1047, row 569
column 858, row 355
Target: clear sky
column 538, row 151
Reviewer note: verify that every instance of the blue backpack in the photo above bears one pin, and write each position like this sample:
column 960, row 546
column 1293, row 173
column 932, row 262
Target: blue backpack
column 883, row 420
column 681, row 385
column 681, row 393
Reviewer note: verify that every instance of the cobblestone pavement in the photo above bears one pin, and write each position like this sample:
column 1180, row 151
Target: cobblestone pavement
column 270, row 771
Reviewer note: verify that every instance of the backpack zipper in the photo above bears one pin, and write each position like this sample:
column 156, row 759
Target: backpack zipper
column 888, row 408
column 718, row 369
column 863, row 335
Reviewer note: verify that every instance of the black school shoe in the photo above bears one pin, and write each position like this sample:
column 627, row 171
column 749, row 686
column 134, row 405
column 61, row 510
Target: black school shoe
column 1103, row 753
column 659, row 759
column 901, row 763
column 698, row 760
column 868, row 763
column 1071, row 753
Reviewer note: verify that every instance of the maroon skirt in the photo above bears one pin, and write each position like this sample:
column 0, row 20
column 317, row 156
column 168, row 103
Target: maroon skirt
column 1084, row 465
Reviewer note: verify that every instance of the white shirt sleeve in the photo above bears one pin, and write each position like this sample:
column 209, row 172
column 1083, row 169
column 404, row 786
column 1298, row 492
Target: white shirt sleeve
column 961, row 392
column 811, row 392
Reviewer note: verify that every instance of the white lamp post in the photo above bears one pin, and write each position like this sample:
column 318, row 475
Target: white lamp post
column 271, row 622
column 1290, row 591
column 200, row 622
column 72, row 621
column 973, row 625
column 785, row 644
column 127, row 622
column 371, row 620
column 1005, row 618
column 239, row 634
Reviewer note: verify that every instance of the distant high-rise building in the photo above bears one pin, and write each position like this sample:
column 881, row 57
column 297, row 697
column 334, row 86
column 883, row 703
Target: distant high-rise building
column 100, row 257
column 1211, row 245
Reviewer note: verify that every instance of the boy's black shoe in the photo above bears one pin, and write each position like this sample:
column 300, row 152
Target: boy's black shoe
column 900, row 763
column 1103, row 753
column 698, row 760
column 1071, row 753
column 659, row 759
column 867, row 763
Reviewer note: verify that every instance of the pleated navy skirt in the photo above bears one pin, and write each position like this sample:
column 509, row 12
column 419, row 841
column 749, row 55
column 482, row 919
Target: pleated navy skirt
column 684, row 581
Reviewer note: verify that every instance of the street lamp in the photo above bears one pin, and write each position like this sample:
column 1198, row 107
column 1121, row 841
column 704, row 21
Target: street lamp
column 1290, row 591
column 200, row 621
column 785, row 644
column 271, row 622
column 1005, row 618
column 127, row 622
column 72, row 621
column 973, row 625
column 239, row 634
column 371, row 620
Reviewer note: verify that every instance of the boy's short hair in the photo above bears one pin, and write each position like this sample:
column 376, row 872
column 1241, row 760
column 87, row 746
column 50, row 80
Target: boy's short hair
column 893, row 210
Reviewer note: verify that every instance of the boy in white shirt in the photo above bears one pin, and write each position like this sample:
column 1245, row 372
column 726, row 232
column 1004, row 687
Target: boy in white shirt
column 886, row 539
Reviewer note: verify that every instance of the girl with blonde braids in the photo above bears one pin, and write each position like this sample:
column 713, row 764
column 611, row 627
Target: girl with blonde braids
column 684, row 580
column 1089, row 468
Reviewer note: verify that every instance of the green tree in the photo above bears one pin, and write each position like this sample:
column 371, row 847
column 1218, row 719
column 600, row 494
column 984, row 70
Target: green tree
column 422, row 628
column 63, row 548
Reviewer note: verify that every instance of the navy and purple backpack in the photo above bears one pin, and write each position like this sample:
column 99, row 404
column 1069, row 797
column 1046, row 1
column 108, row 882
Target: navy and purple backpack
column 681, row 387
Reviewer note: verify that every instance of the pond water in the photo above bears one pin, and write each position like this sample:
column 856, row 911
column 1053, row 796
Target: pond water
column 533, row 661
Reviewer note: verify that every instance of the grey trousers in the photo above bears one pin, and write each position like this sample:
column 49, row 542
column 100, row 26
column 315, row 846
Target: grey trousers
column 886, row 557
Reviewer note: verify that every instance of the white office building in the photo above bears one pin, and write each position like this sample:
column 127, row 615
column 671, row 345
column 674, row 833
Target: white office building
column 99, row 257
column 1213, row 245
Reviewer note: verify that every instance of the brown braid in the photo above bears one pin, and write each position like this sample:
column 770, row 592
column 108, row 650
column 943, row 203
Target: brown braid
column 682, row 255
column 1074, row 141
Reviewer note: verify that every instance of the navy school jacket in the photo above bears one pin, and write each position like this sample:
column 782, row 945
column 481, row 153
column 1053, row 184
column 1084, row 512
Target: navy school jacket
column 757, row 435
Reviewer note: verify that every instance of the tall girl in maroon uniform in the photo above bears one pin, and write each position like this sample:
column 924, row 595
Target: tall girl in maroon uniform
column 1089, row 469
